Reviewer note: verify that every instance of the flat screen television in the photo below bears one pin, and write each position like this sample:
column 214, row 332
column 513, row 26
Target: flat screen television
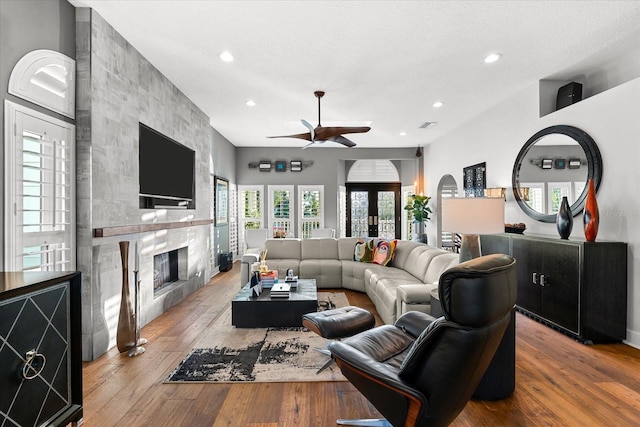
column 167, row 171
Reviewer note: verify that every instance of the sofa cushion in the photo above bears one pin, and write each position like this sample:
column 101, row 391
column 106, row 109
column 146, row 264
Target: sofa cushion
column 322, row 248
column 353, row 275
column 419, row 260
column 346, row 247
column 282, row 265
column 327, row 272
column 403, row 249
column 384, row 251
column 282, row 249
column 439, row 264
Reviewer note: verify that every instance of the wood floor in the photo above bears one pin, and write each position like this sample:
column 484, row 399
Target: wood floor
column 559, row 382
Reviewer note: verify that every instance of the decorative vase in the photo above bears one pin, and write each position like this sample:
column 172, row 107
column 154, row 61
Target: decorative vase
column 418, row 232
column 591, row 216
column 263, row 267
column 126, row 333
column 564, row 219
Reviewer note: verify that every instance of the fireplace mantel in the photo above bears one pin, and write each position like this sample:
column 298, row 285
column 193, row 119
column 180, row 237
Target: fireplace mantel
column 120, row 230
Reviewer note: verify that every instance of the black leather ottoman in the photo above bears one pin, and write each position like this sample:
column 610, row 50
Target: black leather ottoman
column 338, row 323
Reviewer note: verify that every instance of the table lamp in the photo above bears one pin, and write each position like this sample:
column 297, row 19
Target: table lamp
column 470, row 217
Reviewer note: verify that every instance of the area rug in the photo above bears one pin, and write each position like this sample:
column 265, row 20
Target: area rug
column 228, row 354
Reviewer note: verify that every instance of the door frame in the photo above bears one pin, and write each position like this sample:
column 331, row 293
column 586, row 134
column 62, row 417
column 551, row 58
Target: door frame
column 375, row 187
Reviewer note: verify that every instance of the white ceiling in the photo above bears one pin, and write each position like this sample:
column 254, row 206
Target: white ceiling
column 385, row 62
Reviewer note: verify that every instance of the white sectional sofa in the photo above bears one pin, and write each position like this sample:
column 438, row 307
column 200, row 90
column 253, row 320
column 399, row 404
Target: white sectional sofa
column 404, row 284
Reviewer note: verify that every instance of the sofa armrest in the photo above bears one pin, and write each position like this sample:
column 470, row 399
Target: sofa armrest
column 414, row 297
column 245, row 266
column 416, row 294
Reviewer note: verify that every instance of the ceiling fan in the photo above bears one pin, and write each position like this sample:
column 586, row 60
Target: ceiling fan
column 323, row 134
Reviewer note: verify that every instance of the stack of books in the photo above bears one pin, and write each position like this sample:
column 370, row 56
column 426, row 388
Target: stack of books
column 292, row 281
column 280, row 290
column 268, row 279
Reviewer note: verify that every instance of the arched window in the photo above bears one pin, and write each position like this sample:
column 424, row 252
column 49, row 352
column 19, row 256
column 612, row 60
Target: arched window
column 373, row 171
column 46, row 78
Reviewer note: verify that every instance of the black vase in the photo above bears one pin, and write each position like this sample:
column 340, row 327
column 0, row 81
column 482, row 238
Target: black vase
column 564, row 220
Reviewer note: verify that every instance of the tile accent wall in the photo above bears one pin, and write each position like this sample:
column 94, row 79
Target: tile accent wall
column 116, row 89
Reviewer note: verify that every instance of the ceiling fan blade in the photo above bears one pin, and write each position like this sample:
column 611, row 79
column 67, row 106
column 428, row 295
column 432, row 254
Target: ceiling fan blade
column 309, row 144
column 308, row 126
column 306, row 136
column 354, row 129
column 324, row 134
column 342, row 140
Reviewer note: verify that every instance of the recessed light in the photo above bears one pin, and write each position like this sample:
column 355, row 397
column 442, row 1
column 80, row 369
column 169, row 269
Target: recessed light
column 226, row 56
column 492, row 58
column 403, row 133
column 250, row 103
column 438, row 104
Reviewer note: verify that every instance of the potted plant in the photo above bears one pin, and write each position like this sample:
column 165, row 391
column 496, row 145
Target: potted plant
column 417, row 205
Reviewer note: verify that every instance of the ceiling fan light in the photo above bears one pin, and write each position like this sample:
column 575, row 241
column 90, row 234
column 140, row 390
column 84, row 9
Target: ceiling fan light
column 250, row 103
column 438, row 104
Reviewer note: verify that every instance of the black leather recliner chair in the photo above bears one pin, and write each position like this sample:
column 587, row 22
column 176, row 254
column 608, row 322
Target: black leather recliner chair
column 422, row 371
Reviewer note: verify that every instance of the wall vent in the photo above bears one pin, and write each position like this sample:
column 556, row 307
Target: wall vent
column 427, row 125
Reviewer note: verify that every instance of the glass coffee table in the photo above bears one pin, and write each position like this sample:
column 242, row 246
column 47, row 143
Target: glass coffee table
column 264, row 311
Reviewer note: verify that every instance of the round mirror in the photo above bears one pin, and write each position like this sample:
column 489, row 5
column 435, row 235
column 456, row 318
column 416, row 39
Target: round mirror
column 555, row 162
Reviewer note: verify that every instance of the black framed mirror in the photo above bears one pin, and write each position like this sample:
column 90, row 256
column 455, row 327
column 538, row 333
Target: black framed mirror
column 556, row 161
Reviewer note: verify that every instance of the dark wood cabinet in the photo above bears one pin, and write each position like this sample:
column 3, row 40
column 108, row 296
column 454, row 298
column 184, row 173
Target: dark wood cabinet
column 40, row 349
column 577, row 287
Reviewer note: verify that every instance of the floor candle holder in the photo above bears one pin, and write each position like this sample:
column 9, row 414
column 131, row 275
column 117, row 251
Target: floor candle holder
column 137, row 349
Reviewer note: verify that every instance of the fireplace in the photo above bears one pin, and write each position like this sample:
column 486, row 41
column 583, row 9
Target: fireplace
column 169, row 268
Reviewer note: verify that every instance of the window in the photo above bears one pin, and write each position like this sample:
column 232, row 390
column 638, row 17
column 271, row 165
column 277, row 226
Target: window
column 536, row 201
column 281, row 211
column 373, row 171
column 311, row 212
column 40, row 196
column 46, row 78
column 250, row 208
column 556, row 191
column 407, row 218
column 233, row 221
column 342, row 202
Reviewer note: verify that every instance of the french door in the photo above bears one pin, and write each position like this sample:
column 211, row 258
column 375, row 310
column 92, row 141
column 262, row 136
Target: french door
column 40, row 192
column 373, row 210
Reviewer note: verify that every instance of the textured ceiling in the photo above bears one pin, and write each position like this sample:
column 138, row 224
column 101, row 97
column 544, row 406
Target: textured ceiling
column 384, row 62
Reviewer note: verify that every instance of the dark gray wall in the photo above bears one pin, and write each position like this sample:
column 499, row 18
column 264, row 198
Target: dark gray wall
column 329, row 169
column 223, row 155
column 26, row 26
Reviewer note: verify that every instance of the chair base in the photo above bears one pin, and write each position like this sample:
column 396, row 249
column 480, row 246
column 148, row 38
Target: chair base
column 328, row 363
column 380, row 422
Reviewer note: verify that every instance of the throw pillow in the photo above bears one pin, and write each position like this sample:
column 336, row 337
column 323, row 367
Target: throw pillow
column 384, row 251
column 363, row 251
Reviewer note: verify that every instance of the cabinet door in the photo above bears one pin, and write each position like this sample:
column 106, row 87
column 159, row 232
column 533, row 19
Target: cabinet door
column 529, row 265
column 560, row 295
column 37, row 323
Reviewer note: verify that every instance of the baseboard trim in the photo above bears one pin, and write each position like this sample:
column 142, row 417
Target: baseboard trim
column 633, row 339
